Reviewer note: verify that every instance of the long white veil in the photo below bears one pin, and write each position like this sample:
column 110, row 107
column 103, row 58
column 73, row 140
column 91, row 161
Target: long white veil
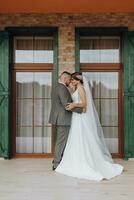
column 96, row 126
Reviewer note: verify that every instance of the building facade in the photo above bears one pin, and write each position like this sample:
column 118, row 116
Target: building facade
column 36, row 48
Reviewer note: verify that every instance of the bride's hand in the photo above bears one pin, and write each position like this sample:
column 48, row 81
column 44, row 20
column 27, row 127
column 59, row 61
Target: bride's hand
column 69, row 106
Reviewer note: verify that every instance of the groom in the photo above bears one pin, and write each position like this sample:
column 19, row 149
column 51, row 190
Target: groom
column 59, row 116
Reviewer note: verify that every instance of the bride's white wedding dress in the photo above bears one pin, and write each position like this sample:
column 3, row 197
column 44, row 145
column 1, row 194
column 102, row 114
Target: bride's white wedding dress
column 86, row 155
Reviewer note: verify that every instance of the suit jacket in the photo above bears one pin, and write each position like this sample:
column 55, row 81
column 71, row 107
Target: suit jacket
column 60, row 97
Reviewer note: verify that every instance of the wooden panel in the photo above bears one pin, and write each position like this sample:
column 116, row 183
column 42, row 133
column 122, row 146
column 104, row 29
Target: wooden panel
column 33, row 66
column 4, row 95
column 100, row 66
column 128, row 90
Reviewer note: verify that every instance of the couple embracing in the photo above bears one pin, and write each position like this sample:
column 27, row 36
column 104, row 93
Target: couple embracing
column 80, row 149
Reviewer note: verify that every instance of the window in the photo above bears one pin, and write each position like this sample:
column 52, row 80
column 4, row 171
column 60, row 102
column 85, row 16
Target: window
column 99, row 49
column 33, row 65
column 33, row 50
column 33, row 96
column 100, row 62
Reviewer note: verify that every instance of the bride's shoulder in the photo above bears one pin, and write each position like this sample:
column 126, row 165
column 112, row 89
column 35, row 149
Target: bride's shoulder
column 81, row 89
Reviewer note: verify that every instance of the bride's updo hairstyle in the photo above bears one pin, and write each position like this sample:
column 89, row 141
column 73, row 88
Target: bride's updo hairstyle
column 77, row 76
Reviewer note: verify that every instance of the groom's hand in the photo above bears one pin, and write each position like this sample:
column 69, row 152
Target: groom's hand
column 69, row 106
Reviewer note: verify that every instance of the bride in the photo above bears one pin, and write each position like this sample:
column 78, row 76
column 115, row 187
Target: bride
column 86, row 154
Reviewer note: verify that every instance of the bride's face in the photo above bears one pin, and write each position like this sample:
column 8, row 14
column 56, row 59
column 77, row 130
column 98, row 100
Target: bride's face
column 74, row 82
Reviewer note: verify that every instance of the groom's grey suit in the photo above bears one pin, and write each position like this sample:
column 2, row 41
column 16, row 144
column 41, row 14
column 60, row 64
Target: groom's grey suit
column 60, row 117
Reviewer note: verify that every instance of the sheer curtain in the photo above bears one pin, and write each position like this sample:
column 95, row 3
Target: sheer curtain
column 33, row 49
column 33, row 108
column 105, row 95
column 99, row 49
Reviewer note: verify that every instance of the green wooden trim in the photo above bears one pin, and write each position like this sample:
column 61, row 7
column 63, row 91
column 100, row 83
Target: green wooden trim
column 98, row 31
column 44, row 31
column 126, row 156
column 126, row 118
column 4, row 94
column 124, row 99
column 128, row 91
column 77, row 51
column 124, row 58
column 55, row 72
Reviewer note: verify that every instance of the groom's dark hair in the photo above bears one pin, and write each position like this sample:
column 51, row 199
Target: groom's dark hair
column 65, row 72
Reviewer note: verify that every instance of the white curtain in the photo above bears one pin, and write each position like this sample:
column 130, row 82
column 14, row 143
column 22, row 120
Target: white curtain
column 33, row 49
column 105, row 95
column 99, row 50
column 33, row 108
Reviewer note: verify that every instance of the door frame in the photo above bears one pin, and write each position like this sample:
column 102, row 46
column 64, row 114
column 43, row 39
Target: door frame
column 28, row 31
column 105, row 31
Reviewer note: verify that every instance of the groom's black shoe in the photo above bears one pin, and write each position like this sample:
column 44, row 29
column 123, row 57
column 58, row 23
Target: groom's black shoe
column 53, row 168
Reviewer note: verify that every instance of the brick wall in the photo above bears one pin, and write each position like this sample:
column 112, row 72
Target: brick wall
column 66, row 24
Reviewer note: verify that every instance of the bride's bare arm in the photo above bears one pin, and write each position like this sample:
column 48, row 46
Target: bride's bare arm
column 82, row 103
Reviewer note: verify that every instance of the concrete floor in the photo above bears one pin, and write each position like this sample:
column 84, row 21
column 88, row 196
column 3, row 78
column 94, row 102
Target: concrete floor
column 33, row 179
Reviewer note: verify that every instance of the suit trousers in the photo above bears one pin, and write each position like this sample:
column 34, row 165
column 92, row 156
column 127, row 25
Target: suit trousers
column 61, row 140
